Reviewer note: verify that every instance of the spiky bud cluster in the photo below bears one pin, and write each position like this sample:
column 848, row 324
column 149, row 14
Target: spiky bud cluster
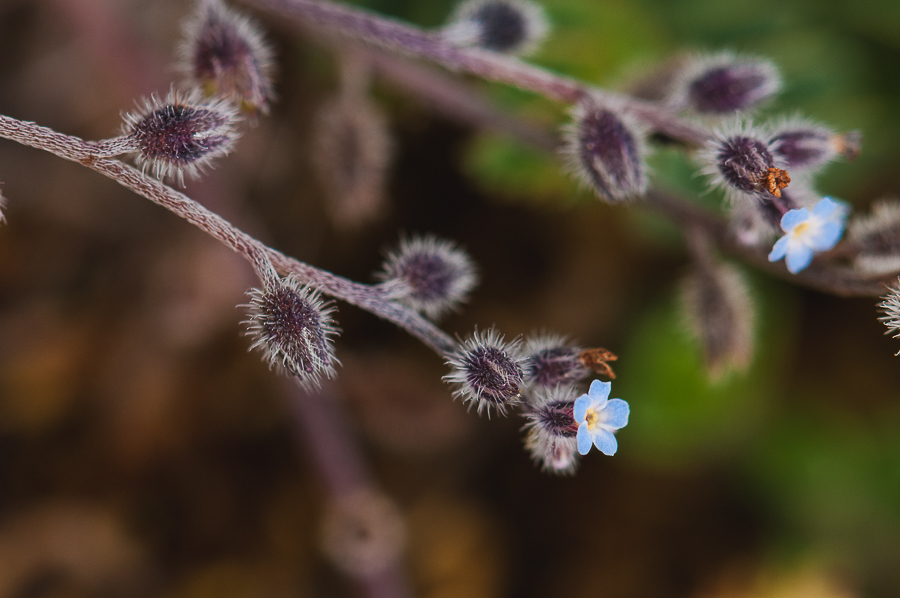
column 224, row 53
column 878, row 238
column 724, row 83
column 605, row 149
column 182, row 133
column 551, row 361
column 720, row 315
column 890, row 307
column 293, row 327
column 740, row 160
column 428, row 274
column 353, row 154
column 487, row 371
column 506, row 26
column 551, row 429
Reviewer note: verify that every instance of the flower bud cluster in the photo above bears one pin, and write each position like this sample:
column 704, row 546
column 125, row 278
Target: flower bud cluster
column 429, row 275
column 488, row 372
column 605, row 149
column 723, row 83
column 505, row 26
column 182, row 133
column 224, row 53
column 293, row 327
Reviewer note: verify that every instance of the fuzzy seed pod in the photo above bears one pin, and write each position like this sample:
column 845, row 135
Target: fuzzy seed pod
column 890, row 307
column 353, row 155
column 739, row 160
column 429, row 275
column 181, row 134
column 724, row 83
column 878, row 239
column 224, row 53
column 551, row 429
column 488, row 372
column 605, row 149
column 506, row 26
column 720, row 315
column 293, row 327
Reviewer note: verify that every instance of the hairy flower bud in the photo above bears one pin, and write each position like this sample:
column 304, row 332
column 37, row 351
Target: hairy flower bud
column 507, row 26
column 739, row 160
column 181, row 134
column 800, row 145
column 488, row 372
column 224, row 53
column 724, row 83
column 720, row 315
column 551, row 361
column 353, row 154
column 605, row 149
column 428, row 274
column 878, row 239
column 890, row 307
column 551, row 429
column 293, row 327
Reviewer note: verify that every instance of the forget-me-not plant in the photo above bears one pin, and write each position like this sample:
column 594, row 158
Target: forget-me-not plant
column 598, row 417
column 809, row 232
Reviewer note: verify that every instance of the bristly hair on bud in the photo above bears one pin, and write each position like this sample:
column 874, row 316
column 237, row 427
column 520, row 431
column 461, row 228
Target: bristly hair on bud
column 552, row 429
column 488, row 372
column 430, row 275
column 551, row 360
column 719, row 314
column 723, row 83
column 739, row 160
column 878, row 238
column 890, row 307
column 224, row 53
column 183, row 133
column 293, row 327
column 506, row 26
column 801, row 145
column 605, row 149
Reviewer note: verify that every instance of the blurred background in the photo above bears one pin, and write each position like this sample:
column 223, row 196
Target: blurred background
column 145, row 452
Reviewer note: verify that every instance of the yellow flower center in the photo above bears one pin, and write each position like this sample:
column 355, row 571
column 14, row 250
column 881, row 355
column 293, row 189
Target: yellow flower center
column 590, row 418
column 800, row 229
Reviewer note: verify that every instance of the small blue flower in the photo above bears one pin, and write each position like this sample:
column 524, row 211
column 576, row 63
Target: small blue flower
column 598, row 418
column 809, row 232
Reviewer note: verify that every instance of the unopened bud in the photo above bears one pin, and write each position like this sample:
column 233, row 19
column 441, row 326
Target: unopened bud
column 224, row 53
column 506, row 26
column 739, row 160
column 552, row 429
column 293, row 327
column 605, row 149
column 551, row 361
column 878, row 238
column 890, row 307
column 801, row 145
column 488, row 372
column 428, row 274
column 720, row 315
column 724, row 83
column 181, row 134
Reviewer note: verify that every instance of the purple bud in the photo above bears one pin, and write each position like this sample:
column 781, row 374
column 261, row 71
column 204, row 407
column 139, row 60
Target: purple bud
column 801, row 145
column 551, row 361
column 552, row 429
column 724, row 83
column 224, row 53
column 429, row 275
column 181, row 134
column 605, row 149
column 740, row 160
column 487, row 371
column 878, row 238
column 293, row 327
column 507, row 26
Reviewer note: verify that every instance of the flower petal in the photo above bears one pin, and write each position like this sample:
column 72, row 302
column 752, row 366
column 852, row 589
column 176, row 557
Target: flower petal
column 616, row 413
column 584, row 440
column 780, row 249
column 792, row 218
column 604, row 441
column 798, row 258
column 581, row 405
column 826, row 208
column 599, row 391
column 828, row 235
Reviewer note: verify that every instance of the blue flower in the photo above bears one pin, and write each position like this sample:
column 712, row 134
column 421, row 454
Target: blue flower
column 808, row 232
column 598, row 418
